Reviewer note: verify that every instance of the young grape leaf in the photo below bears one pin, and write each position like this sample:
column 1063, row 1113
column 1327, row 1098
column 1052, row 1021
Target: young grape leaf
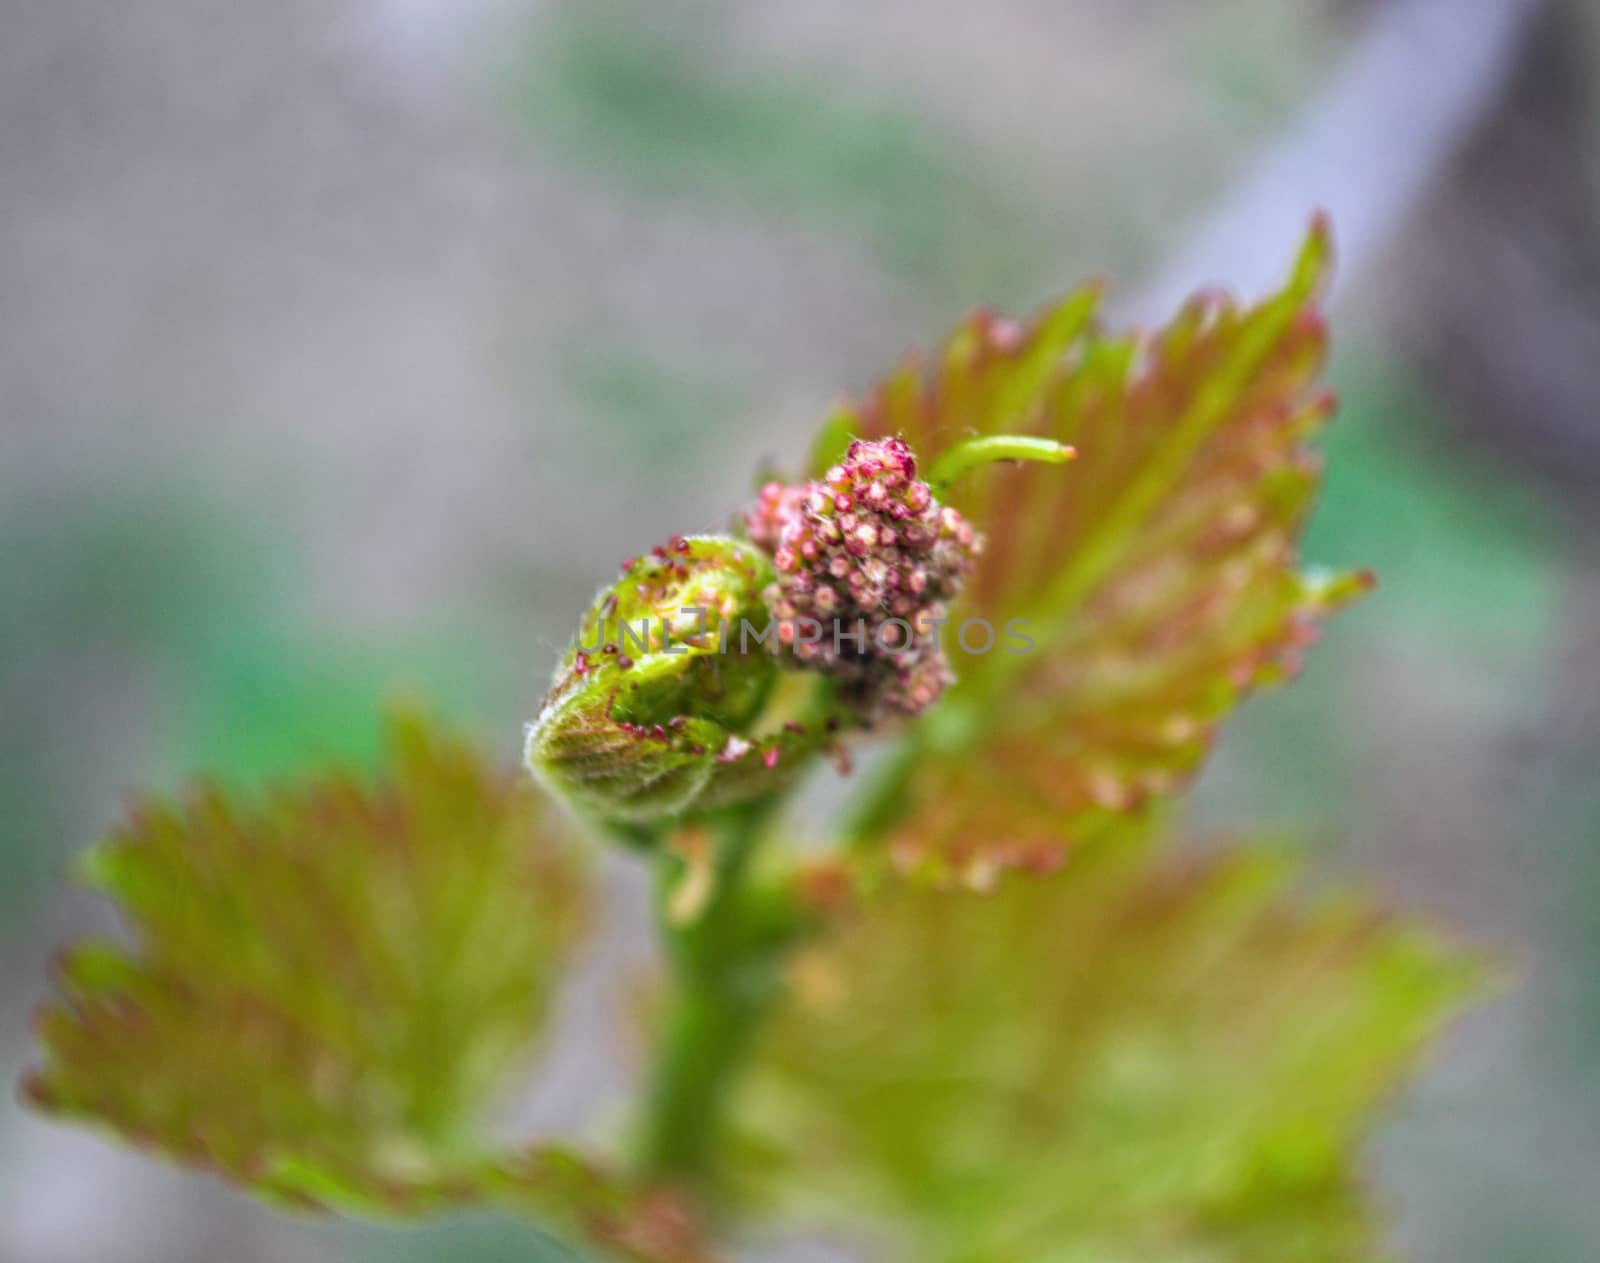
column 1130, row 1059
column 1132, row 597
column 652, row 708
column 327, row 989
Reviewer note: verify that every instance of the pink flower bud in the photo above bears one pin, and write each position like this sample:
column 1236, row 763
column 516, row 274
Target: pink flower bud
column 866, row 544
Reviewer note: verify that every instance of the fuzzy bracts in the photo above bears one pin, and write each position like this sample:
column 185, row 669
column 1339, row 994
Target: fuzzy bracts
column 866, row 559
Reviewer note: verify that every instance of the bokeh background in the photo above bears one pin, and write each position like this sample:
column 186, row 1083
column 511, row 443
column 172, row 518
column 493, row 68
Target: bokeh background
column 344, row 344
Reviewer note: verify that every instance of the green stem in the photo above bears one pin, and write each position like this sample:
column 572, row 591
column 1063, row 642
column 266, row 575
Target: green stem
column 876, row 809
column 948, row 729
column 707, row 1034
column 726, row 972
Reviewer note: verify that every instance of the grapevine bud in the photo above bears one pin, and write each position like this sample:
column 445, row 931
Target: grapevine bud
column 650, row 711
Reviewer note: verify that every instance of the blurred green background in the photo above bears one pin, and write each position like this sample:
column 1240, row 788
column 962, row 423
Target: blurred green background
column 345, row 345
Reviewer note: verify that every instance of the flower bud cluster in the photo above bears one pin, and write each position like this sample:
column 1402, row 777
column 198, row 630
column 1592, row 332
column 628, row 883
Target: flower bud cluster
column 865, row 558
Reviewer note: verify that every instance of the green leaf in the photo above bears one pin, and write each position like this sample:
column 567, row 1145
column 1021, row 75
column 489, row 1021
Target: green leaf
column 329, row 988
column 1131, row 1059
column 1154, row 579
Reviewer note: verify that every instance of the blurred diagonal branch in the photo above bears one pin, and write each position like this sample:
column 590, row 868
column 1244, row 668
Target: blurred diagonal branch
column 1367, row 150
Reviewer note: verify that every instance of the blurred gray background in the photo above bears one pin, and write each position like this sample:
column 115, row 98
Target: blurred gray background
column 344, row 346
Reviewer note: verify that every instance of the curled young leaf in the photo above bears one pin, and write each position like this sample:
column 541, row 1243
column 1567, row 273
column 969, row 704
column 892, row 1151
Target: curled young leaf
column 1133, row 1058
column 328, row 989
column 1124, row 602
column 652, row 711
